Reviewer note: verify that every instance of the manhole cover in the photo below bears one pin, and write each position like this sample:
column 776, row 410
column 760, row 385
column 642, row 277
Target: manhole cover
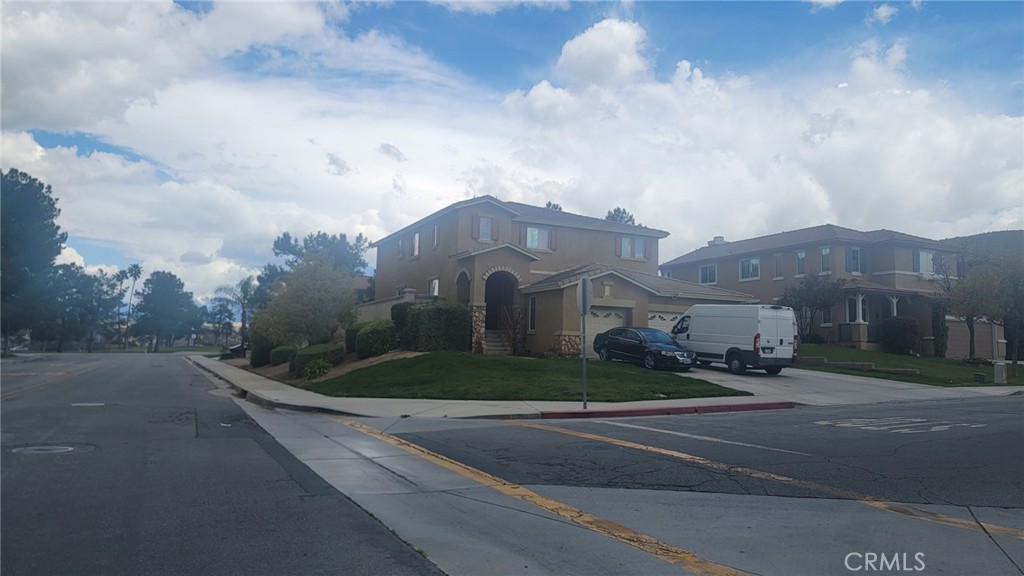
column 43, row 449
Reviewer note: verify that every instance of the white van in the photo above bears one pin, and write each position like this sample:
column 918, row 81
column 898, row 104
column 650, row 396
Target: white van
column 740, row 335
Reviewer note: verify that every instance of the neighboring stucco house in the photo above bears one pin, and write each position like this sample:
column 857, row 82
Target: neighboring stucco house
column 516, row 267
column 886, row 274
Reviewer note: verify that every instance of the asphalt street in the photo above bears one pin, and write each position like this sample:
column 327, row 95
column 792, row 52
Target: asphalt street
column 138, row 464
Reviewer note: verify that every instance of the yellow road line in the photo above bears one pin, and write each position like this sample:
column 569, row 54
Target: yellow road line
column 648, row 544
column 865, row 499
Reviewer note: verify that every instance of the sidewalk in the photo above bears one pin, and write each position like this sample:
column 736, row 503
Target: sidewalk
column 768, row 396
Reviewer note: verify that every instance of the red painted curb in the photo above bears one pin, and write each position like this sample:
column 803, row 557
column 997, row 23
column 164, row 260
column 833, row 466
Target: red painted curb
column 666, row 411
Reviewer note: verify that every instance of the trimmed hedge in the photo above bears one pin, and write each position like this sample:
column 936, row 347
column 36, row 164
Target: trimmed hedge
column 281, row 354
column 375, row 338
column 401, row 316
column 350, row 336
column 439, row 326
column 333, row 353
column 898, row 334
column 261, row 347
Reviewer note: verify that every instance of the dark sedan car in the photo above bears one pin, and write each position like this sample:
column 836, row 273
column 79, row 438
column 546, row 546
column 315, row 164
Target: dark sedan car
column 649, row 347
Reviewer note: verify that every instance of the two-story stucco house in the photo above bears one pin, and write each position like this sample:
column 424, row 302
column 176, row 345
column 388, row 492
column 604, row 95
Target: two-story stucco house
column 886, row 274
column 517, row 266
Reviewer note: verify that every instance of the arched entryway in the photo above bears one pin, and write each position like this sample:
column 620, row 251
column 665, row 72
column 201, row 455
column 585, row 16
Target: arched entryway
column 499, row 295
column 462, row 289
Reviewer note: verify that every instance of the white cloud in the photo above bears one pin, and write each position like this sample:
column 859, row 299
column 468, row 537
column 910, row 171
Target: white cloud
column 823, row 4
column 231, row 160
column 883, row 14
column 490, row 7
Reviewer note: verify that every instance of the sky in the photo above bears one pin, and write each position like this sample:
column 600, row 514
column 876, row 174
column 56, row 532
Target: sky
column 187, row 136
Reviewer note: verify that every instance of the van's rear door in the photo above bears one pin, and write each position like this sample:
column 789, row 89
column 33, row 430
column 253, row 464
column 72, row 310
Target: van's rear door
column 777, row 326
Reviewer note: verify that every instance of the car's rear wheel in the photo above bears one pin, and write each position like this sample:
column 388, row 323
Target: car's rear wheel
column 650, row 361
column 604, row 353
column 735, row 363
column 773, row 369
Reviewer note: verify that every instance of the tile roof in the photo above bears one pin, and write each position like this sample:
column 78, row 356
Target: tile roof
column 656, row 284
column 803, row 237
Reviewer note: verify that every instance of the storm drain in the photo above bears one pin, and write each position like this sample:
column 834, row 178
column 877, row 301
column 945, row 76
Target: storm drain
column 42, row 449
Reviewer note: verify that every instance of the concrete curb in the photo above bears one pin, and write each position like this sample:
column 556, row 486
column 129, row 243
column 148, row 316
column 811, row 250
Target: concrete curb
column 625, row 412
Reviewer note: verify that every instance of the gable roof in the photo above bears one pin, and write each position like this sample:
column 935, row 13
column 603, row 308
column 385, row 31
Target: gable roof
column 505, row 246
column 657, row 285
column 534, row 215
column 803, row 237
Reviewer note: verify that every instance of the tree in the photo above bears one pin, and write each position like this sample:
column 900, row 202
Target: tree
column 165, row 309
column 221, row 317
column 553, row 206
column 1013, row 308
column 120, row 278
column 620, row 215
column 813, row 294
column 977, row 296
column 243, row 296
column 82, row 306
column 336, row 247
column 312, row 302
column 134, row 272
column 30, row 241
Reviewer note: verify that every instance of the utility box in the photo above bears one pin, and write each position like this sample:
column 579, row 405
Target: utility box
column 1000, row 373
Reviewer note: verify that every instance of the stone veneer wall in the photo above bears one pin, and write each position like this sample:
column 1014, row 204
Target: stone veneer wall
column 568, row 345
column 478, row 323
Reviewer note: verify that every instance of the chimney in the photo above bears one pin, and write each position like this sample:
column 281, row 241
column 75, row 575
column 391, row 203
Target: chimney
column 718, row 240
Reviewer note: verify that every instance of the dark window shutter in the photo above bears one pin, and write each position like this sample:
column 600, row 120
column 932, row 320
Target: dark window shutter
column 553, row 239
column 476, row 227
column 849, row 259
column 494, row 229
column 917, row 260
column 522, row 236
column 647, row 249
column 618, row 246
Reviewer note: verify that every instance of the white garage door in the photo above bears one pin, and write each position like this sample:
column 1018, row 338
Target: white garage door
column 663, row 320
column 602, row 319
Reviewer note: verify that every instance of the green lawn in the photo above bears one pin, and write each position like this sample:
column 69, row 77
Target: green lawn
column 463, row 376
column 933, row 371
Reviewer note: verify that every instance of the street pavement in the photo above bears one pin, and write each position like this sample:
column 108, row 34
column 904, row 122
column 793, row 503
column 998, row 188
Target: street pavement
column 792, row 387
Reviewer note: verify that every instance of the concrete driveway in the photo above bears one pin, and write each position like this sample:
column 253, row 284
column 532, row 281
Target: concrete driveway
column 826, row 389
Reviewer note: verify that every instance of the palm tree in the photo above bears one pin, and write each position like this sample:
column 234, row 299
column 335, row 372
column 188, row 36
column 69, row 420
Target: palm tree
column 134, row 272
column 120, row 277
column 242, row 295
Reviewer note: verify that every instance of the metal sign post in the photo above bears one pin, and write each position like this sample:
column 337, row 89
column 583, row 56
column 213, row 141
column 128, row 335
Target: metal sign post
column 584, row 295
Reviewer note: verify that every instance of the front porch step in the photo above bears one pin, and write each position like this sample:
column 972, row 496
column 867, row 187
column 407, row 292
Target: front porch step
column 494, row 344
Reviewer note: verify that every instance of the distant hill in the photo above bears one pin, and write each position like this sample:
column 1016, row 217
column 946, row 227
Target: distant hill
column 1004, row 243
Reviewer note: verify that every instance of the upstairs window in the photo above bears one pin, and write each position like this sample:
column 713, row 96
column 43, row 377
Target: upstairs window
column 401, row 248
column 415, row 244
column 924, row 261
column 538, row 238
column 485, row 228
column 778, row 266
column 855, row 260
column 801, row 262
column 709, row 274
column 826, row 260
column 437, row 235
column 750, row 269
column 633, row 247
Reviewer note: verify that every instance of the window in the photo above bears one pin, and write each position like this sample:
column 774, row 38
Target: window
column 855, row 260
column 826, row 260
column 486, row 228
column 538, row 238
column 633, row 247
column 801, row 261
column 437, row 235
column 778, row 266
column 750, row 269
column 433, row 288
column 415, row 244
column 924, row 261
column 826, row 316
column 532, row 323
column 709, row 274
column 401, row 248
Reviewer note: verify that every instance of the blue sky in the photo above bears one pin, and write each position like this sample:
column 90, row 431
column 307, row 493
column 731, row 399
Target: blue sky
column 185, row 137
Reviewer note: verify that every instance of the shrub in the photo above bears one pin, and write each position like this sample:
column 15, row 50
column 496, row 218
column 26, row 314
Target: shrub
column 281, row 354
column 350, row 336
column 940, row 330
column 375, row 339
column 333, row 354
column 439, row 326
column 315, row 368
column 899, row 334
column 813, row 338
column 401, row 317
column 261, row 347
